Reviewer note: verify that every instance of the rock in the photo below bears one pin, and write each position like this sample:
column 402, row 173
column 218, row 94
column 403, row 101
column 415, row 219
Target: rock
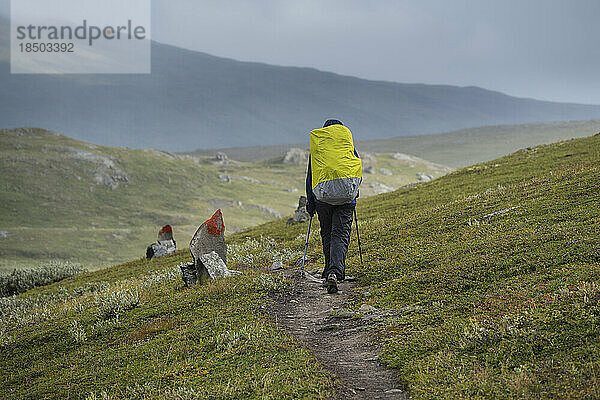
column 423, row 177
column 188, row 273
column 366, row 308
column 366, row 294
column 157, row 250
column 368, row 158
column 111, row 181
column 210, row 237
column 295, row 156
column 165, row 233
column 221, row 158
column 3, row 234
column 379, row 187
column 225, row 178
column 105, row 170
column 277, row 265
column 291, row 190
column 164, row 246
column 392, row 391
column 214, row 266
column 405, row 157
column 384, row 171
column 300, row 214
column 369, row 170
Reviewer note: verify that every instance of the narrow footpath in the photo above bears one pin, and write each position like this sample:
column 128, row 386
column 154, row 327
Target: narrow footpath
column 338, row 338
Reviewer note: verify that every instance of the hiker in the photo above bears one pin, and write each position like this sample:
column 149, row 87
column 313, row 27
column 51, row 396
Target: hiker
column 332, row 182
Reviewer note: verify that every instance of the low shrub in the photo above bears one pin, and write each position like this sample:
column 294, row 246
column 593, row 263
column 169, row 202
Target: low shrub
column 21, row 280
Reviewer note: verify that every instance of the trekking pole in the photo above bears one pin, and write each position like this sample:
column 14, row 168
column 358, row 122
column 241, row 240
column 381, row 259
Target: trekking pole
column 306, row 245
column 358, row 237
column 304, row 256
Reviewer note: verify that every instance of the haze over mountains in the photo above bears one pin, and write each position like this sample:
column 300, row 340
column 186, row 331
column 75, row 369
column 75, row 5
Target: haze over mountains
column 194, row 100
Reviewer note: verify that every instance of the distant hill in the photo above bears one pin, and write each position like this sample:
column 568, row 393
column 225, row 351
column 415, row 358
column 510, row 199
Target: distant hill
column 196, row 100
column 70, row 200
column 456, row 149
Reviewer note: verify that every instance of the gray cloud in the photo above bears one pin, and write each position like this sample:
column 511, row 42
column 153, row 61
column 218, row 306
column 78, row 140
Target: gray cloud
column 546, row 49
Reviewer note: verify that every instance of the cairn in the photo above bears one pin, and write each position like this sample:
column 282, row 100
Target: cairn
column 209, row 251
column 164, row 246
column 300, row 215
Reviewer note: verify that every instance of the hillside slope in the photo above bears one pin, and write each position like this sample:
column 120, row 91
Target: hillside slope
column 488, row 277
column 196, row 100
column 456, row 149
column 70, row 200
column 492, row 273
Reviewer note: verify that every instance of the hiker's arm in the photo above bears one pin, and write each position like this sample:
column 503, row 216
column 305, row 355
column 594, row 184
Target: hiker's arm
column 310, row 196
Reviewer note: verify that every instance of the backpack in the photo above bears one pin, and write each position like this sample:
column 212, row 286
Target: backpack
column 336, row 170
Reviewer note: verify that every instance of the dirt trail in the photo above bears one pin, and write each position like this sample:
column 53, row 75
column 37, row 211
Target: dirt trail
column 339, row 339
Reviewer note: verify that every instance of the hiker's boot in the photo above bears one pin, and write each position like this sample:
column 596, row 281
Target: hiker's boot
column 332, row 284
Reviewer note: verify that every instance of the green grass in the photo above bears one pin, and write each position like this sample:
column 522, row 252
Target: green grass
column 133, row 331
column 54, row 209
column 499, row 307
column 506, row 306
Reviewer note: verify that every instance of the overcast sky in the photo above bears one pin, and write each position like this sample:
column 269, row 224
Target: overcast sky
column 545, row 49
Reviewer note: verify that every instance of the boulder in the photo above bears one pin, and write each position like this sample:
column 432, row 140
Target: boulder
column 423, row 177
column 369, row 169
column 215, row 267
column 221, row 158
column 225, row 178
column 300, row 214
column 379, row 188
column 295, row 156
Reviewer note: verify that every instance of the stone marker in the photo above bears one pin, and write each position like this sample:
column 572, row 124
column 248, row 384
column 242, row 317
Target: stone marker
column 164, row 246
column 210, row 236
column 300, row 215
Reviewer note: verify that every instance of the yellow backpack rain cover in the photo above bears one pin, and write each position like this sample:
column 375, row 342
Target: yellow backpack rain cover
column 336, row 170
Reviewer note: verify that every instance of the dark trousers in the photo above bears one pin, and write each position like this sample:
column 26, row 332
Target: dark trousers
column 336, row 225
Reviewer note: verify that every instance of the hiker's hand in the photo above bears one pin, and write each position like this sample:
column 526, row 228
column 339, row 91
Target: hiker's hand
column 310, row 209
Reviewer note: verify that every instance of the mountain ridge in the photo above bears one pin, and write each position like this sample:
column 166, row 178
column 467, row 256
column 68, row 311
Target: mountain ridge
column 196, row 100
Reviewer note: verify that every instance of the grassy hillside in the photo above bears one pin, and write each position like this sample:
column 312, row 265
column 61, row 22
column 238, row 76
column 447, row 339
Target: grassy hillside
column 133, row 332
column 456, row 149
column 69, row 200
column 490, row 274
column 487, row 305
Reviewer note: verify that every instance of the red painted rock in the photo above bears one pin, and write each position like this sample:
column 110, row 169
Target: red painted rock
column 209, row 237
column 165, row 233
